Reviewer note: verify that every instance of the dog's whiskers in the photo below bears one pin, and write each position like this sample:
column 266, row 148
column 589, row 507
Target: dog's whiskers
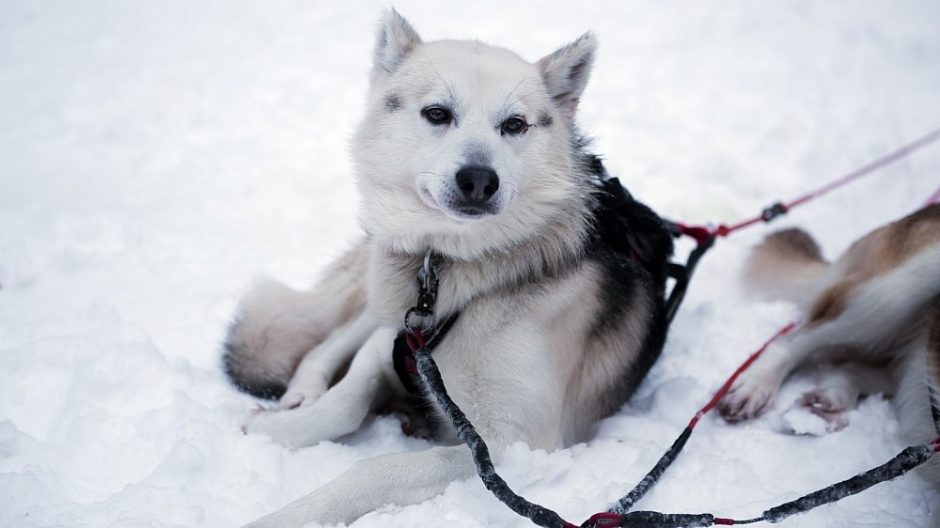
column 521, row 97
column 516, row 87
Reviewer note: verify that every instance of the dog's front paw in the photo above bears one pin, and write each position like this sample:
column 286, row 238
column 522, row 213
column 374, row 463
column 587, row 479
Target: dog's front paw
column 749, row 397
column 276, row 424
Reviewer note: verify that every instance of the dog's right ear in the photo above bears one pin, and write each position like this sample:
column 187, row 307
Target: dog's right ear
column 395, row 40
column 566, row 72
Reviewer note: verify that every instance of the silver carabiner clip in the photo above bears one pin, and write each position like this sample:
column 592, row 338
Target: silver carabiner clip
column 426, row 273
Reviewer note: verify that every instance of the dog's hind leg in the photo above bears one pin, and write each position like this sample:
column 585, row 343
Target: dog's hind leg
column 869, row 317
column 343, row 407
column 839, row 388
column 754, row 392
column 319, row 367
column 918, row 391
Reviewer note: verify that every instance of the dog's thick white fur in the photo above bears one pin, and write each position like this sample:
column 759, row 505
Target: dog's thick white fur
column 872, row 324
column 470, row 151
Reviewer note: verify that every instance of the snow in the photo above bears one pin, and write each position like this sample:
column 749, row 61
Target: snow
column 156, row 156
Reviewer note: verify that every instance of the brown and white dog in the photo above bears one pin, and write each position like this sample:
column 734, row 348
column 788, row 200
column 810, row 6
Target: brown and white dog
column 872, row 324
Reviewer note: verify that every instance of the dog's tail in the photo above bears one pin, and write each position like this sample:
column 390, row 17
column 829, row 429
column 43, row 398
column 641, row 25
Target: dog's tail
column 276, row 326
column 786, row 265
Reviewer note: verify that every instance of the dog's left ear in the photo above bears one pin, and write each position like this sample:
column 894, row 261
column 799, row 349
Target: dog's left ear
column 395, row 40
column 566, row 71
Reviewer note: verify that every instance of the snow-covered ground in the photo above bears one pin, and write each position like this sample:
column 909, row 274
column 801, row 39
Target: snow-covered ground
column 155, row 156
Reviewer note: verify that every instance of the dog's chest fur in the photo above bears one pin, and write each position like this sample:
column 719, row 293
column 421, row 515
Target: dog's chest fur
column 551, row 321
column 517, row 343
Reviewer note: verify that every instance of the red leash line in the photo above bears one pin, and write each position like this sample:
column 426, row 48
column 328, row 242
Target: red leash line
column 867, row 169
column 702, row 233
column 789, row 327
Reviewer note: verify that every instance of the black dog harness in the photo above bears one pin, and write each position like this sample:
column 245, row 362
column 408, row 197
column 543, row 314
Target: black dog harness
column 934, row 407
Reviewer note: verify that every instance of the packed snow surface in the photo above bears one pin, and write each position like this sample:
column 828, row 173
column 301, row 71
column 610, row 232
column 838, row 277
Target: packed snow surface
column 157, row 156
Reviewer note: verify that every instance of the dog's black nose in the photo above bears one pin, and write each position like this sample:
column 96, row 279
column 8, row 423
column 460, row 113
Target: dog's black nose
column 477, row 183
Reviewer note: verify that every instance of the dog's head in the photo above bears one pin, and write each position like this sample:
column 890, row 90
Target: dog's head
column 466, row 147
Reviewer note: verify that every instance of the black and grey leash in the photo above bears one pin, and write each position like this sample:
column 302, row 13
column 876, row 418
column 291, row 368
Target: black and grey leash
column 419, row 321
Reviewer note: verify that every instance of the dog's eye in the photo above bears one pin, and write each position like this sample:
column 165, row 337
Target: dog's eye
column 437, row 115
column 513, row 125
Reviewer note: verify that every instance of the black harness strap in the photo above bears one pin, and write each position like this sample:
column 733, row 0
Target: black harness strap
column 627, row 227
column 682, row 275
column 631, row 229
column 403, row 358
column 934, row 408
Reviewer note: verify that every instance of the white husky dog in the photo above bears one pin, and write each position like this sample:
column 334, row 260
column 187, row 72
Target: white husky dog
column 471, row 152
